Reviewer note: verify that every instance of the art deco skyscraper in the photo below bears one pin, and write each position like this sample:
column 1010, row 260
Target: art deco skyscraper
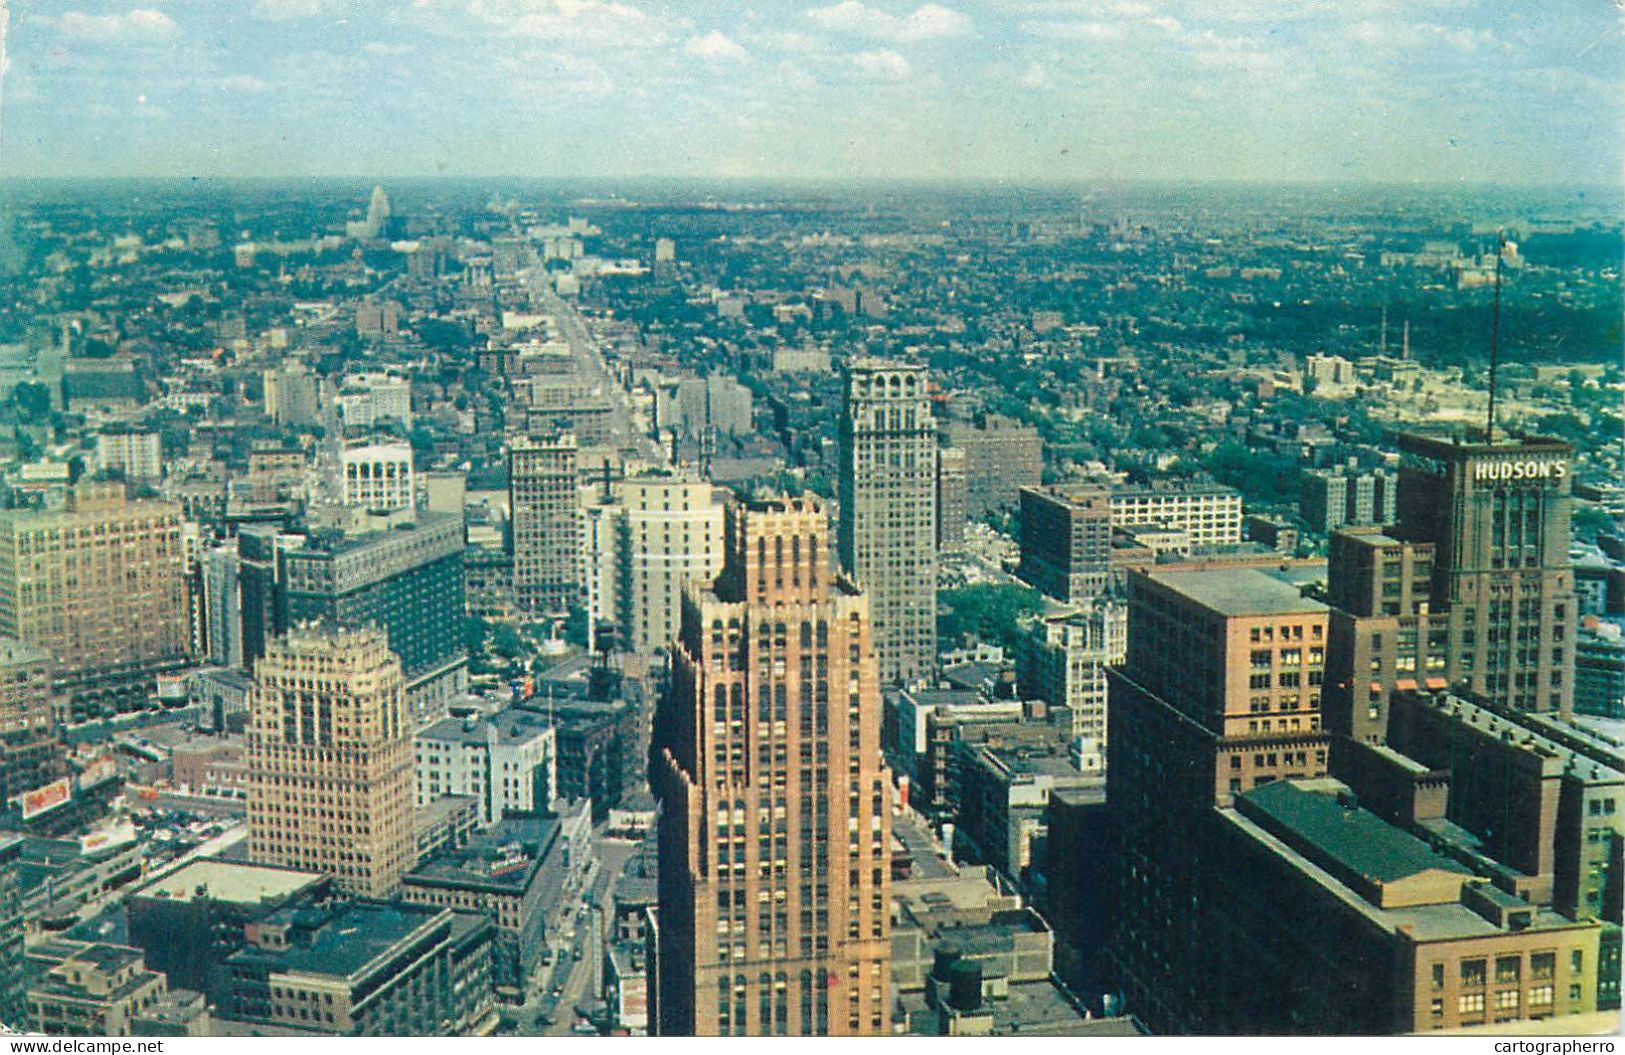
column 330, row 782
column 1498, row 517
column 775, row 828
column 544, row 504
column 888, row 526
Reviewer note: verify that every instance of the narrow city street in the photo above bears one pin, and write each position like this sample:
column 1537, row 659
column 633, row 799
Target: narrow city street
column 577, row 976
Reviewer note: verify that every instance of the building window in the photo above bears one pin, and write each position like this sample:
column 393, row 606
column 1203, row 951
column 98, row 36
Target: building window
column 1508, row 969
column 1470, row 1004
column 1438, row 976
column 1472, row 973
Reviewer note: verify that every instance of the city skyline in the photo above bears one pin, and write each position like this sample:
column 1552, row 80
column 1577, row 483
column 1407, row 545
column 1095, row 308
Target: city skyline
column 1041, row 90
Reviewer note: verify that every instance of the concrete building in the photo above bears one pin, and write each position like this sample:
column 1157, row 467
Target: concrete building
column 378, row 476
column 1407, row 939
column 653, row 537
column 1063, row 660
column 366, row 969
column 1329, row 499
column 1219, row 693
column 1384, row 635
column 888, row 526
column 775, row 830
column 953, row 510
column 515, row 875
column 330, row 760
column 13, row 963
column 28, row 720
column 292, row 395
column 1066, row 541
column 407, row 581
column 189, row 921
column 507, row 761
column 1208, row 514
column 367, row 400
column 101, row 587
column 90, row 989
column 1599, row 669
column 1004, row 804
column 1002, row 456
column 1497, row 515
column 136, row 453
column 1545, row 814
column 544, row 505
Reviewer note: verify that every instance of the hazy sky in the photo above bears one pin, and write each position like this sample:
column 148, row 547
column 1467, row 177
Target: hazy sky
column 1430, row 90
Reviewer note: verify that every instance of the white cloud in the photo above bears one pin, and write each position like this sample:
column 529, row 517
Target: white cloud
column 378, row 47
column 244, row 82
column 603, row 22
column 143, row 23
column 1094, row 32
column 928, row 22
column 884, row 65
column 283, row 10
column 715, row 46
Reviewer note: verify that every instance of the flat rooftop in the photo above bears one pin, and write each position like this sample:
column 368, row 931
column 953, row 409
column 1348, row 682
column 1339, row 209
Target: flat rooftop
column 1355, row 838
column 1238, row 591
column 229, row 881
column 347, row 940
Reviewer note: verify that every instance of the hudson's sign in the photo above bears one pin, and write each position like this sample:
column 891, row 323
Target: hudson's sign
column 1513, row 469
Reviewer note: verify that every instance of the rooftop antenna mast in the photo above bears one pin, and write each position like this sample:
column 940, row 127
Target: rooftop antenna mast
column 1495, row 335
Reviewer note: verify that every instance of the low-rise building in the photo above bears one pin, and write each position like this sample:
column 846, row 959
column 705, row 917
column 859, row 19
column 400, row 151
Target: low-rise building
column 508, row 761
column 365, row 969
column 513, row 874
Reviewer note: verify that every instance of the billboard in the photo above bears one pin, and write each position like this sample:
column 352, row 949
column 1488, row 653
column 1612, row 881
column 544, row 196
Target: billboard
column 47, row 798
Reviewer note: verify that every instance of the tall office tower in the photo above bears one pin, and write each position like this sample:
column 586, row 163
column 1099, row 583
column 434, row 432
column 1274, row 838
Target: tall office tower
column 1002, row 456
column 1066, row 541
column 1497, row 515
column 259, row 585
column 775, row 826
column 407, row 581
column 378, row 476
column 330, row 781
column 220, row 602
column 28, row 741
column 1220, row 692
column 544, row 502
column 13, row 962
column 888, row 525
column 951, row 508
column 101, row 586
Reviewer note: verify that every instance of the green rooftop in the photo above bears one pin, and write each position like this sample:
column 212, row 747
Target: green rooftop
column 1355, row 839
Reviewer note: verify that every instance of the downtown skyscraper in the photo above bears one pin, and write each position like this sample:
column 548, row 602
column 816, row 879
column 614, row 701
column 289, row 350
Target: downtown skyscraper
column 544, row 503
column 775, row 829
column 330, row 780
column 888, row 515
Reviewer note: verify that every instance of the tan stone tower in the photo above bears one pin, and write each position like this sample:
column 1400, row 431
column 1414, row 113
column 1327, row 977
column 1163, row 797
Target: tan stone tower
column 330, row 759
column 775, row 830
column 888, row 525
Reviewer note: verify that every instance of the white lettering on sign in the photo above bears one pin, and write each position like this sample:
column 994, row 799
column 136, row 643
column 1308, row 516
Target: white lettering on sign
column 1520, row 469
